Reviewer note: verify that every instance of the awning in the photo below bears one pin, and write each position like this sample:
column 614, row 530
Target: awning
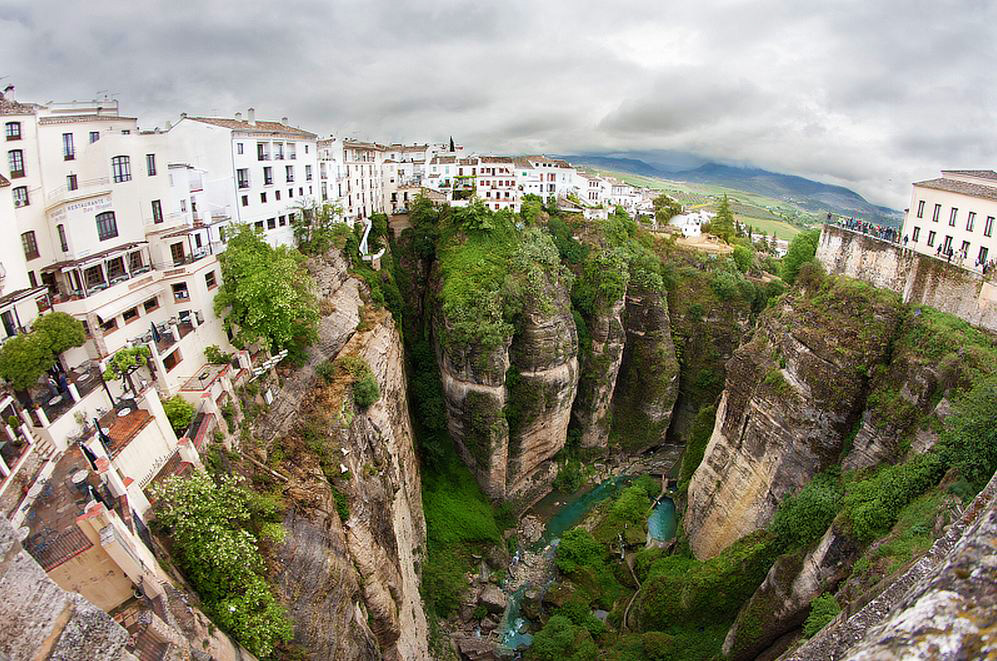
column 129, row 300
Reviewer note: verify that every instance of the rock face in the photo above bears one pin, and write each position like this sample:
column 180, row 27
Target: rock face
column 792, row 395
column 508, row 406
column 352, row 587
column 782, row 602
column 599, row 371
column 647, row 386
column 943, row 607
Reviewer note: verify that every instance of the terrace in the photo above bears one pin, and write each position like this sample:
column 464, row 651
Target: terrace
column 86, row 378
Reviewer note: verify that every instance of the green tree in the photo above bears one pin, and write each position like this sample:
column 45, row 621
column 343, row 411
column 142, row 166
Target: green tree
column 61, row 331
column 179, row 412
column 24, row 358
column 212, row 528
column 969, row 440
column 802, row 249
column 266, row 293
column 124, row 363
column 744, row 257
column 665, row 208
column 314, row 225
column 560, row 640
column 722, row 225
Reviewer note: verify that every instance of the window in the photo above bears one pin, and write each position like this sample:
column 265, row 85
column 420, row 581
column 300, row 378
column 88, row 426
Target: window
column 242, row 177
column 209, row 280
column 290, row 192
column 183, row 205
column 267, row 176
column 172, row 360
column 982, row 257
column 63, row 243
column 952, row 216
column 94, row 136
column 916, row 234
column 130, row 315
column 263, row 197
column 15, row 159
column 109, row 325
column 931, row 238
column 936, row 213
column 221, row 234
column 121, row 168
column 157, row 211
column 30, row 245
column 970, row 221
column 93, row 276
column 71, row 183
column 116, row 268
column 13, row 130
column 31, row 279
column 151, row 304
column 135, row 261
column 150, row 164
column 107, row 226
column 282, row 221
column 271, row 223
column 947, row 245
column 180, row 292
column 21, row 196
column 289, row 173
column 301, row 191
column 262, row 153
column 240, row 148
column 988, row 227
column 276, row 195
column 278, row 151
column 68, row 151
column 306, row 149
column 177, row 253
column 964, row 248
column 258, row 225
column 245, row 200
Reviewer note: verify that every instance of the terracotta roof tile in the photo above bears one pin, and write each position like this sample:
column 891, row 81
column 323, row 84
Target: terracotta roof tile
column 982, row 174
column 963, row 187
column 74, row 119
column 259, row 126
column 3, row 181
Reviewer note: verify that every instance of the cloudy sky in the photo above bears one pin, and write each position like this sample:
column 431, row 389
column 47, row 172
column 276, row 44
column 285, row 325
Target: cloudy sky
column 867, row 93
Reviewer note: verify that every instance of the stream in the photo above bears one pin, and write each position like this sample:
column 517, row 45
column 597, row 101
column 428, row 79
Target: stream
column 533, row 564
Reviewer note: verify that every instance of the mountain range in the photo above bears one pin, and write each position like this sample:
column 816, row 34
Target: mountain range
column 805, row 193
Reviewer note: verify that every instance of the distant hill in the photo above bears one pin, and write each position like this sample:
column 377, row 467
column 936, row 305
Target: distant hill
column 805, row 193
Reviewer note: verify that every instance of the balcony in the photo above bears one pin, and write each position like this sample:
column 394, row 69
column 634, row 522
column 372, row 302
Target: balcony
column 86, row 378
column 243, row 184
column 97, row 275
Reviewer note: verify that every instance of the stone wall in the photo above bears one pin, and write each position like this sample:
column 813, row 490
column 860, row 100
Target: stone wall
column 43, row 621
column 918, row 278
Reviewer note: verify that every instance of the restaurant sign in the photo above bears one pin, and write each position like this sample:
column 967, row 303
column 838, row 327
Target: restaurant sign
column 90, row 205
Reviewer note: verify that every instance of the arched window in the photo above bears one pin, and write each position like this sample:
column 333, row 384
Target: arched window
column 107, row 226
column 121, row 168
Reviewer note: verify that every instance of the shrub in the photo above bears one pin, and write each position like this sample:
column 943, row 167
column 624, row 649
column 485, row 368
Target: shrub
column 969, row 439
column 803, row 517
column 569, row 476
column 744, row 257
column 802, row 249
column 180, row 413
column 326, row 371
column 560, row 640
column 366, row 391
column 216, row 356
column 823, row 609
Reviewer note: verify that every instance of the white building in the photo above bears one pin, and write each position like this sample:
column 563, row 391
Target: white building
column 591, row 189
column 254, row 171
column 547, row 178
column 956, row 213
column 691, row 223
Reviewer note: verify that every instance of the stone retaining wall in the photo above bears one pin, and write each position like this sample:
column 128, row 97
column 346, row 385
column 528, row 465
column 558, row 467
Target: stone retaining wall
column 918, row 278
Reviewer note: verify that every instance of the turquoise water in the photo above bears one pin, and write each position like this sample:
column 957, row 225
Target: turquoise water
column 661, row 523
column 513, row 628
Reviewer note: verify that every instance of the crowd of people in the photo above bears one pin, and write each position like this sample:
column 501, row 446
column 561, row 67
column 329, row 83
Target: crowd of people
column 884, row 232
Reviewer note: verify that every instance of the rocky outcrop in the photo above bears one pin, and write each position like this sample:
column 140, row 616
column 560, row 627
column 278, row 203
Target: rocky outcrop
column 600, row 365
column 508, row 406
column 348, row 567
column 782, row 602
column 943, row 607
column 792, row 395
column 647, row 386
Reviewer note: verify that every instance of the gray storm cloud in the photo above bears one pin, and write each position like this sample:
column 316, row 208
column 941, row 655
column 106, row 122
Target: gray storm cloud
column 867, row 94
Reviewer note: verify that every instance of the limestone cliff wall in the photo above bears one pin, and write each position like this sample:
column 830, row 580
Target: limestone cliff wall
column 793, row 393
column 508, row 406
column 352, row 587
column 647, row 385
column 597, row 382
column 918, row 278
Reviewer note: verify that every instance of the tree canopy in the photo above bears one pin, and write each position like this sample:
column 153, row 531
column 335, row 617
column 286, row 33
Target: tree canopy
column 665, row 208
column 722, row 225
column 802, row 249
column 266, row 293
column 313, row 225
column 24, row 358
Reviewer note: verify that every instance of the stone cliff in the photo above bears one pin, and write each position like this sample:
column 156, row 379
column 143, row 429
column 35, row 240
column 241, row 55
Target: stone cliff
column 647, row 385
column 793, row 393
column 348, row 567
column 600, row 368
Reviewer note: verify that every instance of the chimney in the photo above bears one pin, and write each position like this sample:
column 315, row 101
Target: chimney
column 183, row 115
column 251, row 116
column 283, row 120
column 238, row 116
column 8, row 92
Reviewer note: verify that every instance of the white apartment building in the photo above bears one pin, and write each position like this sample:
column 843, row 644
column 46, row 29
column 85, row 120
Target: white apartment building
column 955, row 212
column 255, row 171
column 624, row 195
column 494, row 181
column 691, row 223
column 547, row 178
column 405, row 169
column 591, row 189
